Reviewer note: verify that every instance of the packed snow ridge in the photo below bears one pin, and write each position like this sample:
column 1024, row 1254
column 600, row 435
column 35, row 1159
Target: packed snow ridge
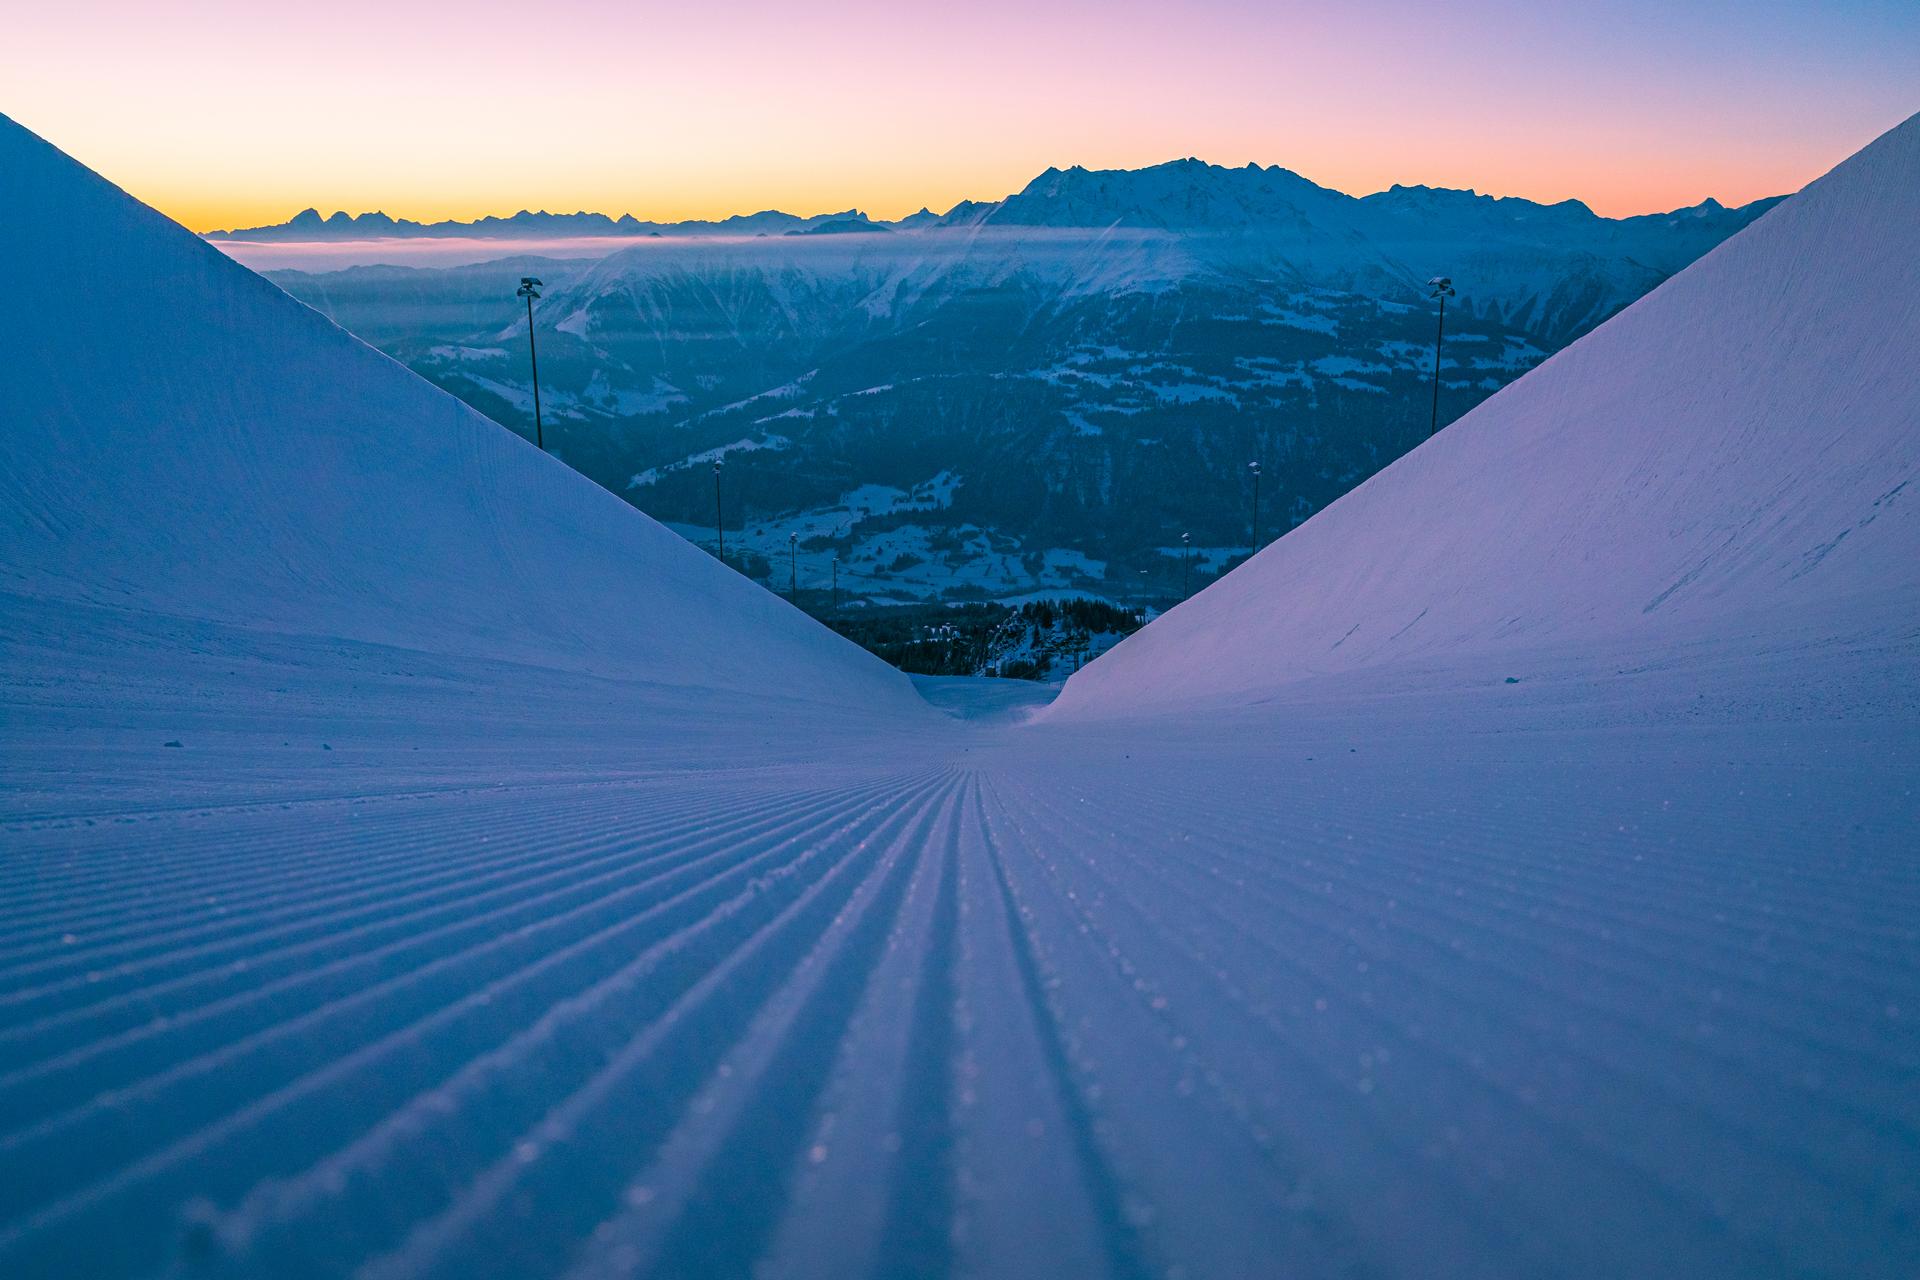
column 262, row 468
column 419, row 863
column 1733, row 456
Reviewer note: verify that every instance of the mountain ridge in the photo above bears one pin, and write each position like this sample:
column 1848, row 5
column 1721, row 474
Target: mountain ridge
column 1044, row 193
column 1077, row 396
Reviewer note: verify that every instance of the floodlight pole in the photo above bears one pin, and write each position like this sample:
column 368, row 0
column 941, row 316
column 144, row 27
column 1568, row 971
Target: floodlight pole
column 836, row 582
column 530, row 289
column 1186, row 565
column 793, row 567
column 1254, row 469
column 719, row 522
column 1440, row 287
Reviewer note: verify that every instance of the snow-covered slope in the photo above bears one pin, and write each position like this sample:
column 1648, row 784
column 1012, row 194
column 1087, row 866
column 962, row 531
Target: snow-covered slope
column 420, row 876
column 184, row 439
column 1733, row 460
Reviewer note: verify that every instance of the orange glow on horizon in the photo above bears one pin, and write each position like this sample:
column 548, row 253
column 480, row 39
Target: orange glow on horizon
column 1627, row 190
column 1614, row 186
column 242, row 117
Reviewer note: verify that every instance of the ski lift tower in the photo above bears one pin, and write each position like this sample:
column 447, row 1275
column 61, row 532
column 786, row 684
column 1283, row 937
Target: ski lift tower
column 1253, row 469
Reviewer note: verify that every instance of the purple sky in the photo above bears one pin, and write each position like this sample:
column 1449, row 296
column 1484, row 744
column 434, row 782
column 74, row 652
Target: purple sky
column 227, row 114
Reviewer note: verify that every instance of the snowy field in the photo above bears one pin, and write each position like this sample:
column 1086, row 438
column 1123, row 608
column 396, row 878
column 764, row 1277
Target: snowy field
column 420, row 864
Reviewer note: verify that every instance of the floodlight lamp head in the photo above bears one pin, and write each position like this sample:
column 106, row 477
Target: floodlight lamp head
column 1440, row 287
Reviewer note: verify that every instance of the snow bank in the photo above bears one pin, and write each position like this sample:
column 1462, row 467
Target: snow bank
column 184, row 439
column 1731, row 459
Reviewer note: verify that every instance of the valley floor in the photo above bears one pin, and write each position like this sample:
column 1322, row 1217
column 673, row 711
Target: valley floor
column 458, row 971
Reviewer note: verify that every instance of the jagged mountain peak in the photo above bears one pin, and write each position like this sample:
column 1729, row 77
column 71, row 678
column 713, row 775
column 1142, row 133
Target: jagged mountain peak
column 1187, row 193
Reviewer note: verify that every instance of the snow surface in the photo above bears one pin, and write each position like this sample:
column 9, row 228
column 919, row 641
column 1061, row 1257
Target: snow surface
column 419, row 864
column 193, row 443
column 1732, row 457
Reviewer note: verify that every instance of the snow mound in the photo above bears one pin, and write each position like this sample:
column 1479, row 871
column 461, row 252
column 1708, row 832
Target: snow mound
column 1731, row 461
column 184, row 439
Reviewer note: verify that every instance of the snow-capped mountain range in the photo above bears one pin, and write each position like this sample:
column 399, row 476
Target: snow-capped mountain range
column 309, row 224
column 1186, row 195
column 1082, row 370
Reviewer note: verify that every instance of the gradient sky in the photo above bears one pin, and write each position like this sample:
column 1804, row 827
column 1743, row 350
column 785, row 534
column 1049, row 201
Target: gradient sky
column 231, row 114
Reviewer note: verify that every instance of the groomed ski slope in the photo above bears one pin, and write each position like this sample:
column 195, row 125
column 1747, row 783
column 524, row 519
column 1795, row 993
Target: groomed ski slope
column 466, row 933
column 186, row 440
column 1733, row 456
